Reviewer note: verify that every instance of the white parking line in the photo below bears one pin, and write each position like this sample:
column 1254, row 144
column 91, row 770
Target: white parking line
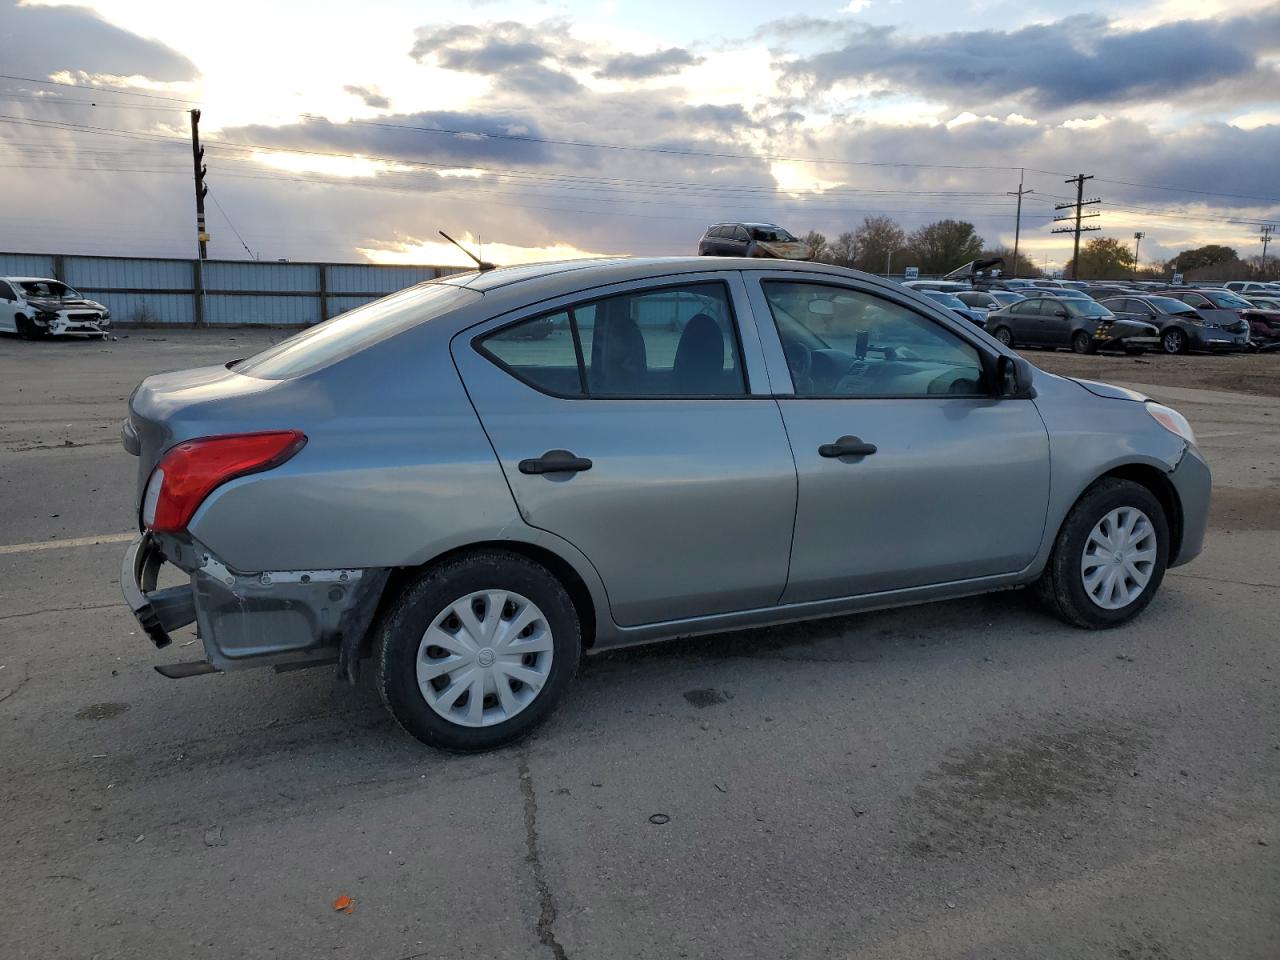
column 73, row 542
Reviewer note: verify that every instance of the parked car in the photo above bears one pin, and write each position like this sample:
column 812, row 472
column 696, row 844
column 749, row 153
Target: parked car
column 418, row 483
column 1011, row 283
column 752, row 240
column 1182, row 328
column 1250, row 287
column 1076, row 322
column 1269, row 301
column 941, row 286
column 34, row 307
column 989, row 299
column 975, row 315
column 1263, row 317
column 1061, row 293
column 1221, row 315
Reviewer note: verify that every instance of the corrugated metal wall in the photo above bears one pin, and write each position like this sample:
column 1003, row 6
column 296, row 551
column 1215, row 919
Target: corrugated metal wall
column 148, row 290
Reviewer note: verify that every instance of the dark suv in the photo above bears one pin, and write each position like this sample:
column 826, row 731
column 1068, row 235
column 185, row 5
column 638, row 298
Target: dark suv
column 752, row 240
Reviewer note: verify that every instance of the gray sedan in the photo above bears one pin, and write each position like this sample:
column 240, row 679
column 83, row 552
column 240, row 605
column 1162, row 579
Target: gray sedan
column 689, row 445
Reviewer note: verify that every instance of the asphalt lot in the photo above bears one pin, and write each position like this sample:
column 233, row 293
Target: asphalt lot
column 969, row 779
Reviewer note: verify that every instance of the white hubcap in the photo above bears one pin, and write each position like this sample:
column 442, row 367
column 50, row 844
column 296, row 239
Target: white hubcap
column 1119, row 557
column 484, row 658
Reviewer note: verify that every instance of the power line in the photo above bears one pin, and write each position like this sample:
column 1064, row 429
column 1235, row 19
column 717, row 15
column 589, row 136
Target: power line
column 210, row 195
column 97, row 87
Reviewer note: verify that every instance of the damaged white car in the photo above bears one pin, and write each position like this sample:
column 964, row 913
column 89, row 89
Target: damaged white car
column 34, row 307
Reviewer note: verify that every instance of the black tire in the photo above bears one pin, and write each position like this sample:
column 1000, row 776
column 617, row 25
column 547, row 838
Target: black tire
column 1081, row 342
column 1174, row 341
column 27, row 330
column 430, row 593
column 1004, row 335
column 1061, row 586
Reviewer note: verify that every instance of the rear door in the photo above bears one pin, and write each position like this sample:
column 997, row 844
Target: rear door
column 641, row 429
column 910, row 472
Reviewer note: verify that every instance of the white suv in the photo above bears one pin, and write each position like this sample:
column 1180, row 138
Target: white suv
column 1252, row 286
column 37, row 306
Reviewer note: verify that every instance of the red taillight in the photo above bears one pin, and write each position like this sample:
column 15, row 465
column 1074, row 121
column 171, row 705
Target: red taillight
column 192, row 469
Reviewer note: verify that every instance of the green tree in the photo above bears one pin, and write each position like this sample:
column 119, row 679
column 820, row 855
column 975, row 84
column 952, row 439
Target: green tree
column 1206, row 256
column 875, row 241
column 944, row 245
column 1104, row 258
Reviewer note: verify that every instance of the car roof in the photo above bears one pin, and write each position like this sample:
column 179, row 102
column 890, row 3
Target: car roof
column 597, row 272
column 31, row 279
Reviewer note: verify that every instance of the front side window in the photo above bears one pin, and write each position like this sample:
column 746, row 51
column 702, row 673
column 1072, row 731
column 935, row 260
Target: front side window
column 1086, row 308
column 740, row 234
column 1170, row 305
column 846, row 343
column 6, row 291
column 666, row 342
column 1192, row 298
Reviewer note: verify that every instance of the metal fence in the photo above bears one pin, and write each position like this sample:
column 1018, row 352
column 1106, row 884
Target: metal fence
column 146, row 290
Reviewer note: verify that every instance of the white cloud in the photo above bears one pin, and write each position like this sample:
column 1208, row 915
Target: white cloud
column 1086, row 123
column 857, row 6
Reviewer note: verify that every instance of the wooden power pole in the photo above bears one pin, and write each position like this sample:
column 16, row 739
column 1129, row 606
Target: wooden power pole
column 197, row 159
column 1079, row 206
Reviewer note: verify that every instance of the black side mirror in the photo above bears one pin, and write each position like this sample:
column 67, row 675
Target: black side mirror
column 1060, row 312
column 1014, row 378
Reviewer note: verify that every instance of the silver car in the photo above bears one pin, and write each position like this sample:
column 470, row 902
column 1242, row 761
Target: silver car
column 687, row 445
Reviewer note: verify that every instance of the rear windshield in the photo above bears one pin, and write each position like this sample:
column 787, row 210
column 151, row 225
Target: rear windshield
column 1170, row 305
column 946, row 299
column 350, row 332
column 1085, row 308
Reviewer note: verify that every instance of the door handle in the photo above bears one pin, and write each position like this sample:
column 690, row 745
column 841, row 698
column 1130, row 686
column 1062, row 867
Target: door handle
column 847, row 447
column 555, row 461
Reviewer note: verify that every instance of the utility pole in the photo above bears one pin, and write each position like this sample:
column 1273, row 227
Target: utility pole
column 1137, row 240
column 1266, row 230
column 1079, row 205
column 197, row 159
column 1017, row 223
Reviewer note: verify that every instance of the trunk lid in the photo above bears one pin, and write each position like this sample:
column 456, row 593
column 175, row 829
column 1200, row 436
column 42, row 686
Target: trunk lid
column 168, row 408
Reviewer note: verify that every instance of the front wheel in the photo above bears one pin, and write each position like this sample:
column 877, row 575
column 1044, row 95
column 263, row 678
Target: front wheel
column 1109, row 558
column 1173, row 340
column 478, row 650
column 1081, row 342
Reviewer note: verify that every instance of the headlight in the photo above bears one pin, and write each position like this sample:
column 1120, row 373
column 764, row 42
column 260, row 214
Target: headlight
column 1172, row 421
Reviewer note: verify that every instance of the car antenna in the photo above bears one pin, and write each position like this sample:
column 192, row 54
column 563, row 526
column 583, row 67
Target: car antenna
column 481, row 265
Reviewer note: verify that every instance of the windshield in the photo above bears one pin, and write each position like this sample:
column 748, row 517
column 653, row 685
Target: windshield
column 1085, row 308
column 1266, row 303
column 771, row 235
column 1170, row 305
column 350, row 332
column 48, row 289
column 1227, row 301
column 946, row 299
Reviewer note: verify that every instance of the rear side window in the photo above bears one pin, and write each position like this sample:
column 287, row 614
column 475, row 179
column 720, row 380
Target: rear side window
column 668, row 342
column 353, row 331
column 1028, row 308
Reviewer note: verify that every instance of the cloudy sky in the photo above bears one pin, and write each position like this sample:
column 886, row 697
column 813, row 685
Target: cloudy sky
column 545, row 129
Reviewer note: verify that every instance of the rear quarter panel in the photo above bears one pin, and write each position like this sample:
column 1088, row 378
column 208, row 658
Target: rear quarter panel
column 395, row 471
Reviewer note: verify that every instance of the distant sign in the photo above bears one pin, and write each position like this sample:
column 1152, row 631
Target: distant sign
column 911, row 273
column 1177, row 278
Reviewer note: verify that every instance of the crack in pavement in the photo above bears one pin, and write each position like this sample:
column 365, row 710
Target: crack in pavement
column 26, row 675
column 547, row 903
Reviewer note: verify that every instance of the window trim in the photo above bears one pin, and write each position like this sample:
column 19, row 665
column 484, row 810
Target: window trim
column 570, row 308
column 986, row 360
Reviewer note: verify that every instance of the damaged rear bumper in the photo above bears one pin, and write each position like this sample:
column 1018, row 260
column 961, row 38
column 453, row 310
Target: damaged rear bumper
column 282, row 618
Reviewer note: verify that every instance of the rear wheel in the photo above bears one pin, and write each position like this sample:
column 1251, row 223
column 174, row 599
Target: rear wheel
column 1173, row 340
column 1081, row 342
column 1109, row 558
column 1004, row 335
column 478, row 650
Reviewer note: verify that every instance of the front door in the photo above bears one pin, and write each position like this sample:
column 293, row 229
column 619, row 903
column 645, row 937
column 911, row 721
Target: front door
column 911, row 472
column 626, row 424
